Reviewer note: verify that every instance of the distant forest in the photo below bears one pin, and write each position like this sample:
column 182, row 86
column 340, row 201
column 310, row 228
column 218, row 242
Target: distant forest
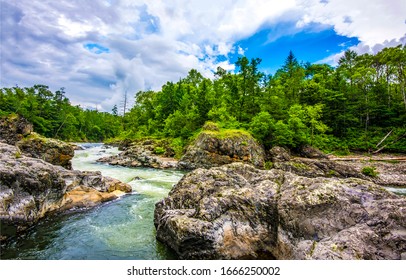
column 360, row 105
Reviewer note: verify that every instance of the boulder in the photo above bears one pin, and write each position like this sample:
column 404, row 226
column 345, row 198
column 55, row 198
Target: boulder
column 13, row 128
column 31, row 188
column 237, row 212
column 51, row 150
column 16, row 130
column 278, row 154
column 215, row 148
column 308, row 151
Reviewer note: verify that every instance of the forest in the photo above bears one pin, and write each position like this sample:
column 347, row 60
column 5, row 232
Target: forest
column 359, row 105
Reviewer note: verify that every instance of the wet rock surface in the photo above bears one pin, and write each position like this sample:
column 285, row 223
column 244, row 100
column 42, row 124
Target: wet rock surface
column 31, row 188
column 237, row 211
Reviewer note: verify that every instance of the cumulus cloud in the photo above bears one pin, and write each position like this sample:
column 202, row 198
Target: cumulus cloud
column 374, row 22
column 99, row 49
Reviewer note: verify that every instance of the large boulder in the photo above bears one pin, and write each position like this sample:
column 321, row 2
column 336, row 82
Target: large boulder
column 51, row 150
column 237, row 212
column 215, row 148
column 16, row 130
column 31, row 188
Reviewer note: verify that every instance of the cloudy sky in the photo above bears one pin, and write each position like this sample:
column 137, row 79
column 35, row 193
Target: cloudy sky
column 98, row 49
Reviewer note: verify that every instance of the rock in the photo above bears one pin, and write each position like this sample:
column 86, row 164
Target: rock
column 51, row 150
column 278, row 154
column 16, row 130
column 31, row 188
column 308, row 151
column 212, row 148
column 13, row 128
column 238, row 212
column 145, row 153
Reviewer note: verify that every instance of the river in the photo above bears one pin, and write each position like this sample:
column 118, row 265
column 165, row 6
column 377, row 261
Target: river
column 121, row 229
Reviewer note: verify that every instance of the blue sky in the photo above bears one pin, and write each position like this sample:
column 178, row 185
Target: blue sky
column 99, row 49
column 307, row 45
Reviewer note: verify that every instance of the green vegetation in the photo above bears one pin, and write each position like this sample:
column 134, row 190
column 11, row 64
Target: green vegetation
column 350, row 107
column 53, row 116
column 369, row 171
column 159, row 150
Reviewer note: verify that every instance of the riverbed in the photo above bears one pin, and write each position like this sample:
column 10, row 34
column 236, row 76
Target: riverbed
column 121, row 229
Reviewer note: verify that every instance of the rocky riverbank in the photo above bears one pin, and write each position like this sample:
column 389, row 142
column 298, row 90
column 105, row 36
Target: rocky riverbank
column 237, row 211
column 144, row 153
column 31, row 188
column 36, row 180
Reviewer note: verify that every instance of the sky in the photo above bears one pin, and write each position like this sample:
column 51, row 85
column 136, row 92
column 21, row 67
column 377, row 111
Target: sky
column 99, row 49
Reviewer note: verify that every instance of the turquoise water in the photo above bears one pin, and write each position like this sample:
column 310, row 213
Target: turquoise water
column 120, row 229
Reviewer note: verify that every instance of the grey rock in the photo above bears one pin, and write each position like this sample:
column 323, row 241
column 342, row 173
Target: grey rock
column 213, row 149
column 238, row 212
column 31, row 188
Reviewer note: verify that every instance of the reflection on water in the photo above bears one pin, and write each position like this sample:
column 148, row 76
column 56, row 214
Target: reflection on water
column 120, row 229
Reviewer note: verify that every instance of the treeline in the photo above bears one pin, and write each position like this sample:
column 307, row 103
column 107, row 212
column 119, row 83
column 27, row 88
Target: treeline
column 358, row 105
column 53, row 116
column 350, row 107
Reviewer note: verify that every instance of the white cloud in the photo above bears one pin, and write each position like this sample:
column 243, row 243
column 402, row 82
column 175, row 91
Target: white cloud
column 373, row 22
column 151, row 42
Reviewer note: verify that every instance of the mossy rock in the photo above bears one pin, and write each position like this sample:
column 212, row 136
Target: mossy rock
column 211, row 126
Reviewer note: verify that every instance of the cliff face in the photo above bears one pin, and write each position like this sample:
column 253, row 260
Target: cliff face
column 236, row 211
column 215, row 148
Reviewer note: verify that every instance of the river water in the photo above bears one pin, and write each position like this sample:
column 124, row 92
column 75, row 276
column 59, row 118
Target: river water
column 121, row 229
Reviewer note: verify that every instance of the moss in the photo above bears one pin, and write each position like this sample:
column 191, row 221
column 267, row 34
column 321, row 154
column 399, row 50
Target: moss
column 18, row 154
column 370, row 171
column 212, row 126
column 299, row 166
column 332, row 173
column 268, row 165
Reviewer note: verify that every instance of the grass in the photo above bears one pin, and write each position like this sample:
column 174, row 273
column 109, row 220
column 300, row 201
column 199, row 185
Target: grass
column 370, row 171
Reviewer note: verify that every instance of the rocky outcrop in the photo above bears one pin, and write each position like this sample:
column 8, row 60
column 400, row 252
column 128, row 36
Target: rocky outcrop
column 314, row 163
column 51, row 150
column 16, row 130
column 236, row 211
column 144, row 153
column 215, row 148
column 31, row 188
column 13, row 128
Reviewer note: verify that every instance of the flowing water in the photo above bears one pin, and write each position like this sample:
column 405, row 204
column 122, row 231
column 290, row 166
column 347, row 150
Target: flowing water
column 120, row 229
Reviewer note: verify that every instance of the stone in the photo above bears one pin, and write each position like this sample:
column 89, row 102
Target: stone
column 278, row 154
column 237, row 212
column 212, row 148
column 51, row 150
column 13, row 128
column 31, row 188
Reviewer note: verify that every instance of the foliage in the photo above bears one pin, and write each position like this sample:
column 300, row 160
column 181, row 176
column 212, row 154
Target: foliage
column 53, row 116
column 369, row 171
column 350, row 107
column 159, row 150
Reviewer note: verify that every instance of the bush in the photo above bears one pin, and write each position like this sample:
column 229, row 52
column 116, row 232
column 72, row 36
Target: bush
column 159, row 150
column 369, row 171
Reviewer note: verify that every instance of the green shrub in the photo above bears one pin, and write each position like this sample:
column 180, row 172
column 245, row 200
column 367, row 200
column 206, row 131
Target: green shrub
column 159, row 150
column 369, row 171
